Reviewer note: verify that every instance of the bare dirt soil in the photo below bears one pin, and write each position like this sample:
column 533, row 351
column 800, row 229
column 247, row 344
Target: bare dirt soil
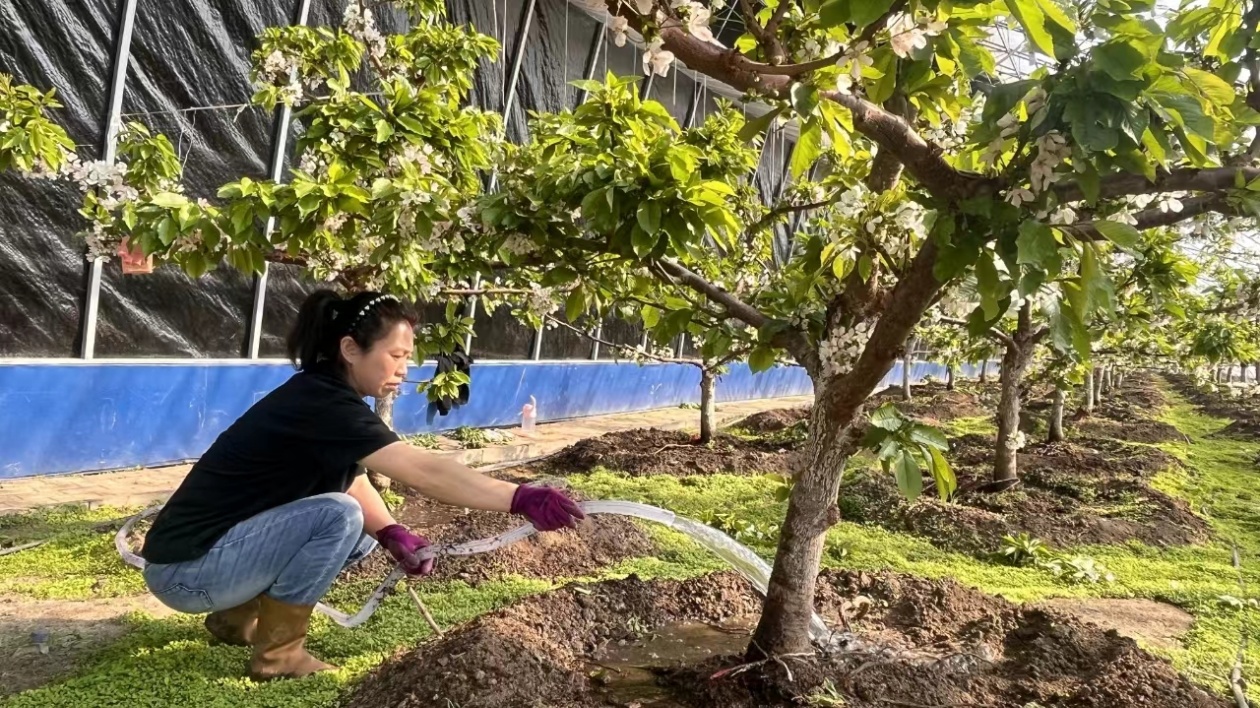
column 920, row 643
column 1087, row 490
column 645, row 452
column 599, row 542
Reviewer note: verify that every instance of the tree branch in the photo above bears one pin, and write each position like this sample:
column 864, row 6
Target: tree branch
column 1002, row 337
column 923, row 160
column 793, row 340
column 1179, row 180
column 1152, row 218
column 623, row 347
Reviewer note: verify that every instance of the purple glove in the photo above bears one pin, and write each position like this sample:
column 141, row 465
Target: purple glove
column 548, row 509
column 402, row 544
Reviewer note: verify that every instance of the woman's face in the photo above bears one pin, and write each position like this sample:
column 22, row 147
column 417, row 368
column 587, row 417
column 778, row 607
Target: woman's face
column 380, row 370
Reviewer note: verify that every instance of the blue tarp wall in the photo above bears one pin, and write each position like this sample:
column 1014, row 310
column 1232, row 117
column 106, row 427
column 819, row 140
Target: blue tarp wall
column 68, row 416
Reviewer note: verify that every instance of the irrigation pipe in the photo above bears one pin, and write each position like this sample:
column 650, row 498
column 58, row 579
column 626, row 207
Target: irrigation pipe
column 752, row 567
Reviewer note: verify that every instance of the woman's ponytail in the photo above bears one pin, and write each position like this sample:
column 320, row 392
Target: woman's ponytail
column 311, row 337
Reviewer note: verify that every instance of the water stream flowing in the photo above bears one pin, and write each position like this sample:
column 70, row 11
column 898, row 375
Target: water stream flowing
column 748, row 564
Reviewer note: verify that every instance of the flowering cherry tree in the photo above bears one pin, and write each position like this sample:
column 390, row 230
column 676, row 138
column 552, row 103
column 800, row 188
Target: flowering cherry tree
column 917, row 165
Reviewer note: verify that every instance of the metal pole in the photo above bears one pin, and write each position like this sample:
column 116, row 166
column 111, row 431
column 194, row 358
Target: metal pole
column 592, row 60
column 695, row 105
column 599, row 334
column 472, row 312
column 122, row 54
column 514, row 75
column 536, row 352
column 279, row 148
column 645, row 87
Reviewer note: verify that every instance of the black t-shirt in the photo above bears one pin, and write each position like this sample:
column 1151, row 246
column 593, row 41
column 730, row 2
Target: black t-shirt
column 304, row 438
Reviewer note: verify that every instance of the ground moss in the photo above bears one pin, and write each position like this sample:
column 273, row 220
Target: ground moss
column 78, row 560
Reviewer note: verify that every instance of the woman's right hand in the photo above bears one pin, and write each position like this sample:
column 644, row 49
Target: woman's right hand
column 547, row 508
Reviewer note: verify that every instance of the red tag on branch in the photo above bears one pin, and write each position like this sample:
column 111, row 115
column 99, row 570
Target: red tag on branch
column 133, row 260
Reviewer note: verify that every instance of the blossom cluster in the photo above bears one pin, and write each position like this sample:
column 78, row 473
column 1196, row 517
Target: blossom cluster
column 842, row 347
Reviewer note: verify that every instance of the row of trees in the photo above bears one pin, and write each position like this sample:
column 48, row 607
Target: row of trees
column 1042, row 213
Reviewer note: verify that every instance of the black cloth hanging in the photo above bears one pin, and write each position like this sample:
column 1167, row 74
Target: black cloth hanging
column 459, row 361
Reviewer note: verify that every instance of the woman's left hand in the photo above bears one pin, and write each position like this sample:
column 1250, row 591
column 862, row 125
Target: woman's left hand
column 547, row 508
column 402, row 543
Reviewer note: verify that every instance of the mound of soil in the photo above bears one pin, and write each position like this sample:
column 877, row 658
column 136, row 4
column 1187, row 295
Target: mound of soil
column 1142, row 431
column 598, row 542
column 920, row 643
column 1088, row 491
column 773, row 421
column 646, row 452
column 933, row 402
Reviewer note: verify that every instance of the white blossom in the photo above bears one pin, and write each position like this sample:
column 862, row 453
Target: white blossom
column 518, row 244
column 842, row 347
column 698, row 21
column 1018, row 196
column 1064, row 215
column 1170, row 204
column 644, row 7
column 619, row 27
column 994, row 151
column 1124, row 216
column 905, row 36
column 1035, row 100
column 855, row 58
column 657, row 60
column 359, row 22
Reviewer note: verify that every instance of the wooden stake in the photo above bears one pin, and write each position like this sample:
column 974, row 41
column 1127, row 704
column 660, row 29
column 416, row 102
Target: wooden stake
column 425, row 611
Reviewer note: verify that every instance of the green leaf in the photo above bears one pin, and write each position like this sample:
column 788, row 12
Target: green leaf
column 168, row 200
column 909, row 476
column 1090, row 184
column 804, row 99
column 1097, row 286
column 808, row 148
column 929, row 436
column 758, row 125
column 887, row 82
column 384, row 131
column 1156, row 147
column 1122, row 235
column 649, row 217
column 642, row 242
column 861, row 13
column 1003, row 98
column 575, row 305
column 946, row 482
column 1121, row 58
column 651, row 316
column 561, row 275
column 987, row 286
column 887, row 417
column 682, row 164
column 1029, row 15
column 1216, row 89
column 1037, row 246
column 761, row 359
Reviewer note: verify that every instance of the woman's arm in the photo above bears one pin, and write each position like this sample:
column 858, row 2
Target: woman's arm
column 439, row 478
column 376, row 515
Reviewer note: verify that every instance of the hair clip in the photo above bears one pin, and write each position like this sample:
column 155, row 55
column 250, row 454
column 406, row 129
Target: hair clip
column 371, row 303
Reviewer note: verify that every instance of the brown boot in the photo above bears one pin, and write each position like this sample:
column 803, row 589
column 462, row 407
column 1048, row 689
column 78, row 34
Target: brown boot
column 280, row 642
column 235, row 626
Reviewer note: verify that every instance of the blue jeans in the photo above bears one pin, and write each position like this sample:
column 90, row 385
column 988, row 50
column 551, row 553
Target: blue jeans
column 292, row 553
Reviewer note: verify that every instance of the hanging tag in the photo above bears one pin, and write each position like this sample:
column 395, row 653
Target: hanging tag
column 133, row 260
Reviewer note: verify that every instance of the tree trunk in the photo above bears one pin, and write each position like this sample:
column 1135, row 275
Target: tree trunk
column 905, row 376
column 1014, row 365
column 1005, row 460
column 1257, row 365
column 385, row 410
column 984, row 371
column 1056, row 417
column 708, row 405
column 949, row 378
column 1091, row 377
column 1242, row 372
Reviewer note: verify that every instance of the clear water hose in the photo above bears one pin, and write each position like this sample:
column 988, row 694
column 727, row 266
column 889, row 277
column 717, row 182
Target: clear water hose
column 748, row 564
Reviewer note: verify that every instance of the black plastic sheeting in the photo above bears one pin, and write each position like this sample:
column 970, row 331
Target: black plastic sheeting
column 188, row 77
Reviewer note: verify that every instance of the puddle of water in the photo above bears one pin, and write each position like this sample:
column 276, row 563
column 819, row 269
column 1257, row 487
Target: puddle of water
column 624, row 672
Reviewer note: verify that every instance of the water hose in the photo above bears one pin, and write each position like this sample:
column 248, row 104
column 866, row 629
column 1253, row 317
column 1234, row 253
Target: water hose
column 747, row 563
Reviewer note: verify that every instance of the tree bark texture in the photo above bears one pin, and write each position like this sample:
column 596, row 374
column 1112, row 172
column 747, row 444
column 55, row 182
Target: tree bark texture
column 949, row 378
column 384, row 409
column 905, row 377
column 835, row 427
column 1056, row 417
column 708, row 405
column 1014, row 365
column 984, row 371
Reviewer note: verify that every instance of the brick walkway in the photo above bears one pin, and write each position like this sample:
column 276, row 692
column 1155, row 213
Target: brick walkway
column 140, row 487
